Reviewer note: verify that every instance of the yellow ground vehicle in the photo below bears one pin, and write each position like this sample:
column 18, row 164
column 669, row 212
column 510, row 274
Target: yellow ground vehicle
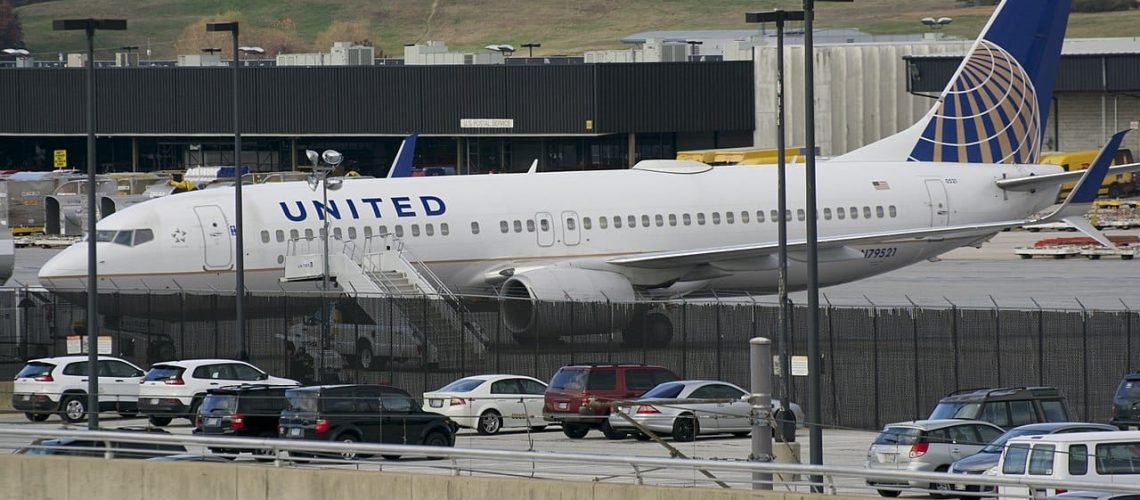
column 1115, row 186
column 741, row 156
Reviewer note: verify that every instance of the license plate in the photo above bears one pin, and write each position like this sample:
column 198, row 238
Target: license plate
column 563, row 406
column 887, row 458
column 213, row 422
column 26, row 397
column 294, row 432
column 153, row 401
column 436, row 403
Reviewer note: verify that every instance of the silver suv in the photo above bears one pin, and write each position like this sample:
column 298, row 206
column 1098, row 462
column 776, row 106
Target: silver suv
column 926, row 446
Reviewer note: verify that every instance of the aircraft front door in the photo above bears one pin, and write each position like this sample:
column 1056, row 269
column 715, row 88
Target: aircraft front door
column 545, row 231
column 571, row 233
column 939, row 203
column 215, row 236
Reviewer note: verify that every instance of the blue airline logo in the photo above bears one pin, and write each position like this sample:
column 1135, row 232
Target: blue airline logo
column 396, row 206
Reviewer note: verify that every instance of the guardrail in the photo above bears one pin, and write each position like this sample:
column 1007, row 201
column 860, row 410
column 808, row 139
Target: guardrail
column 594, row 467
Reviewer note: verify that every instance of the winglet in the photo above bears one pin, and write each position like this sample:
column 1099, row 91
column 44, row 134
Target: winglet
column 402, row 165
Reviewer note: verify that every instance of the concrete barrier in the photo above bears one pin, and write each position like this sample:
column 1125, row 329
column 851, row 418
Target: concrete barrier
column 27, row 477
column 6, row 397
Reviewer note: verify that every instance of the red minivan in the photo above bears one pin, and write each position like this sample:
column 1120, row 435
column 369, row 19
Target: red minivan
column 575, row 386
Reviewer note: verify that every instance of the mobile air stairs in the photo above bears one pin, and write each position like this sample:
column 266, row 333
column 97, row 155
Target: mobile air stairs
column 384, row 267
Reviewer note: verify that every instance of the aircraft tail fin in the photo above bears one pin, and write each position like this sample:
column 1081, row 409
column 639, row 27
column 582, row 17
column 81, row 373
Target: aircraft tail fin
column 402, row 165
column 1076, row 205
column 995, row 108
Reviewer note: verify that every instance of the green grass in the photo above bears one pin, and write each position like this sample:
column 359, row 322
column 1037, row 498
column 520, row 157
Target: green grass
column 563, row 27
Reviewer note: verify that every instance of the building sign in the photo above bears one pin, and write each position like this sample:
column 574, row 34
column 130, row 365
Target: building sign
column 61, row 158
column 486, row 123
column 78, row 344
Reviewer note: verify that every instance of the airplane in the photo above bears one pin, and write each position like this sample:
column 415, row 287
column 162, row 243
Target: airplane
column 661, row 229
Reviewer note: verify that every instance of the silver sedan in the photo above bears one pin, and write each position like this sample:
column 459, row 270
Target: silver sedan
column 726, row 410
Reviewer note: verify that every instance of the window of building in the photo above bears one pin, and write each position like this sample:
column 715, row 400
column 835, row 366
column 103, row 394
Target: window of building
column 474, row 228
column 429, row 229
column 659, row 219
column 280, row 235
column 443, row 229
column 504, row 226
column 716, row 218
column 700, row 218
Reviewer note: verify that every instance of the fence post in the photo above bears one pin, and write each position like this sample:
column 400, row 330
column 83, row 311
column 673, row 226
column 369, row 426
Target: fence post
column 1128, row 339
column 917, row 372
column 685, row 339
column 875, row 358
column 718, row 341
column 954, row 341
column 997, row 339
column 1040, row 342
column 760, row 361
column 1084, row 358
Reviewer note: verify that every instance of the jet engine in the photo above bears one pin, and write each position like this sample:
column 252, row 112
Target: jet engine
column 548, row 303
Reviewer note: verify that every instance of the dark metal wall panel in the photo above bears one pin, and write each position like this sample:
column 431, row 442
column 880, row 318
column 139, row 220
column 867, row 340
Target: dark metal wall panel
column 133, row 99
column 551, row 99
column 375, row 98
column 1079, row 74
column 930, row 75
column 200, row 102
column 51, row 102
column 1122, row 73
column 452, row 93
column 677, row 97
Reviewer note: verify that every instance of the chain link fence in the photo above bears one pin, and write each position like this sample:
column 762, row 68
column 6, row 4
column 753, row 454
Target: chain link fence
column 880, row 364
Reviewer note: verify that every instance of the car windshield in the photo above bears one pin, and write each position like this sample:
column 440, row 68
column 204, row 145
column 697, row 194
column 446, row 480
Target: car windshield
column 569, row 379
column 163, row 372
column 34, row 370
column 302, row 401
column 218, row 403
column 664, row 391
column 997, row 445
column 462, row 385
column 1129, row 389
column 955, row 410
column 903, row 436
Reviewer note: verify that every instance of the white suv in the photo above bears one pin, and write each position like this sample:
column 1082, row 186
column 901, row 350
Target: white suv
column 176, row 388
column 59, row 385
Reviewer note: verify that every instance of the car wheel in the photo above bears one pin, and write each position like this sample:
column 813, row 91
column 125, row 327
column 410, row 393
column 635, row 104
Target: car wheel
column 195, row 402
column 364, row 355
column 437, row 439
column 685, row 428
column 158, row 421
column 939, row 487
column 490, row 422
column 575, row 431
column 74, row 409
column 889, row 493
column 612, row 433
column 36, row 417
column 350, row 439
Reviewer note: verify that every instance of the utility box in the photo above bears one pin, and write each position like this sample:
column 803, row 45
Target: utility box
column 350, row 54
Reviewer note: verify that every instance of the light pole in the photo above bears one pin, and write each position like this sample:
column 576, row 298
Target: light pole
column 239, row 262
column 780, row 17
column 530, row 48
column 332, row 158
column 89, row 26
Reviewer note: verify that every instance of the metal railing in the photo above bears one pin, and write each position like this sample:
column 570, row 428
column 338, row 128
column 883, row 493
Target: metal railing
column 594, row 467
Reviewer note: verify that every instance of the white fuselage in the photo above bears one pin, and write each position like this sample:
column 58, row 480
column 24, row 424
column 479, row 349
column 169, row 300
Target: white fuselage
column 556, row 219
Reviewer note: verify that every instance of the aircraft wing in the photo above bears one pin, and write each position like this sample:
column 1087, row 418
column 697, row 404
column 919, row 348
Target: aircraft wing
column 682, row 258
column 1038, row 181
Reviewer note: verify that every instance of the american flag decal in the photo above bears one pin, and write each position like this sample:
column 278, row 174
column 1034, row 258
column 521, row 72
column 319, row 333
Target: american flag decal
column 881, row 185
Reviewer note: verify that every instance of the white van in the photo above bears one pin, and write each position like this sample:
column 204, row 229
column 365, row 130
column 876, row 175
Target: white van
column 1106, row 458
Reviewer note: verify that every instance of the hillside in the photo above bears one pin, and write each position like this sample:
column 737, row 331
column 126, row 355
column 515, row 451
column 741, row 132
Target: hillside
column 170, row 27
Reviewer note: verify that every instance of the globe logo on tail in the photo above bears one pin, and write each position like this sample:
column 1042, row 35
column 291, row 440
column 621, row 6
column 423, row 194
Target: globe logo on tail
column 990, row 114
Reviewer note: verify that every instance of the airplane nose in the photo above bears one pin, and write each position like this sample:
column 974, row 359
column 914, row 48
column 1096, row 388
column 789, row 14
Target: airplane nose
column 70, row 263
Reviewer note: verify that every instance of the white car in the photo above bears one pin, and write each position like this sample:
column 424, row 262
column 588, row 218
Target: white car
column 368, row 346
column 59, row 385
column 176, row 388
column 489, row 403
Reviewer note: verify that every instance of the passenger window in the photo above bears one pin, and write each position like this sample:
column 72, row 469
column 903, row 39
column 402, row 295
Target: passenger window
column 788, row 215
column 1041, row 460
column 866, row 212
column 602, row 380
column 308, row 234
column 341, row 404
column 987, row 433
column 639, row 380
column 700, row 218
column 79, row 368
column 744, row 217
column 474, row 228
column 632, row 221
column 659, row 219
column 518, row 226
column 544, row 225
column 759, row 216
column 879, row 211
column 672, row 219
column 337, row 233
column 1054, row 411
column 399, row 231
column 840, row 213
column 322, row 233
column 1015, row 457
column 891, row 210
column 644, row 221
column 429, row 229
column 504, row 226
column 570, row 225
column 729, row 218
column 396, row 403
column 352, row 233
column 532, row 387
column 367, row 231
column 1078, row 460
column 279, row 234
column 938, row 436
column 509, row 386
column 603, row 222
column 586, row 224
column 716, row 218
column 244, row 372
column 617, row 222
column 384, row 230
column 1022, row 412
column 995, row 413
column 827, row 214
column 854, row 213
column 294, row 235
column 443, row 229
column 963, row 434
column 687, row 219
column 415, row 229
column 801, row 215
column 775, row 216
column 145, row 235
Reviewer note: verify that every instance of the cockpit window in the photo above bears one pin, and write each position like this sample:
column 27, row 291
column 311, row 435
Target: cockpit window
column 126, row 238
column 123, row 238
column 104, row 236
column 143, row 236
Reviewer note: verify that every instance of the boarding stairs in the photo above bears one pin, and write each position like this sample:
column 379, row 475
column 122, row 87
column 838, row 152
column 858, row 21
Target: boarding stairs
column 384, row 267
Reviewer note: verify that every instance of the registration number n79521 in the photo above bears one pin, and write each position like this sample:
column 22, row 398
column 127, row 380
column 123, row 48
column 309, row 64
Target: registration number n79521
column 879, row 253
